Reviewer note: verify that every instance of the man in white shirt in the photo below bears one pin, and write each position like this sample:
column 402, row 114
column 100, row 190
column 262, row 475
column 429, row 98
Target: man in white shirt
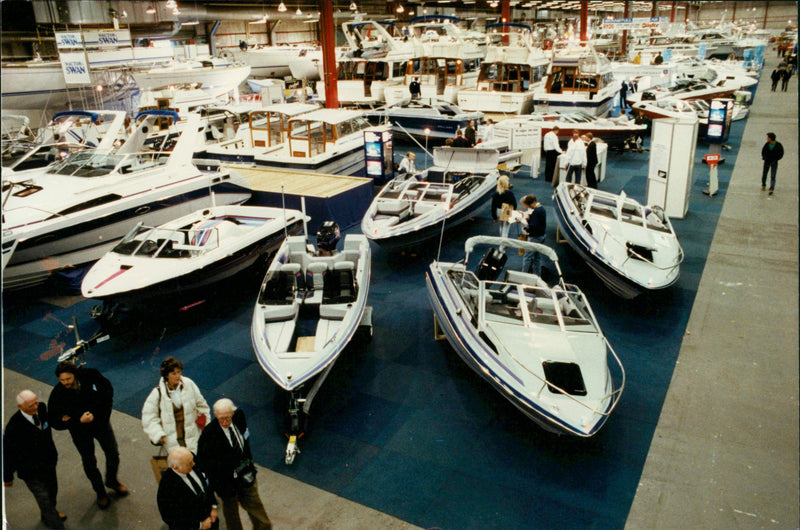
column 551, row 151
column 575, row 158
column 407, row 165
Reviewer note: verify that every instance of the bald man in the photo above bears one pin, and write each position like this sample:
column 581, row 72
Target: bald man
column 29, row 451
column 185, row 498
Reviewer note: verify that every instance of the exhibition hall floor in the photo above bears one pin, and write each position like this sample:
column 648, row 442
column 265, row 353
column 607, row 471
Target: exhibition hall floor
column 403, row 433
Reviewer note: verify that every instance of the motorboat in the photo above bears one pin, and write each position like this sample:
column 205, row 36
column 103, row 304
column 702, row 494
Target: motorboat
column 432, row 119
column 408, row 212
column 310, row 305
column 216, row 75
column 188, row 253
column 669, row 107
column 632, row 248
column 614, row 131
column 282, row 60
column 578, row 78
column 539, row 346
column 325, row 141
column 511, row 73
column 68, row 131
column 721, row 87
column 374, row 59
column 73, row 212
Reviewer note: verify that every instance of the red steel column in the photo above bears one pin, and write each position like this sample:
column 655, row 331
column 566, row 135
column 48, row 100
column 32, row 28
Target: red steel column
column 505, row 11
column 766, row 11
column 672, row 11
column 584, row 20
column 328, row 35
column 625, row 14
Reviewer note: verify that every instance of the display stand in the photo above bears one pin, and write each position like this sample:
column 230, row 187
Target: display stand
column 712, row 159
column 672, row 151
column 378, row 153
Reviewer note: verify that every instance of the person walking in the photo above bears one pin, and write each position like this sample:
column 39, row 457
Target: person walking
column 185, row 498
column 82, row 403
column 786, row 74
column 175, row 411
column 535, row 221
column 551, row 150
column 224, row 453
column 591, row 160
column 770, row 154
column 29, row 451
column 469, row 133
column 775, row 76
column 503, row 203
column 575, row 158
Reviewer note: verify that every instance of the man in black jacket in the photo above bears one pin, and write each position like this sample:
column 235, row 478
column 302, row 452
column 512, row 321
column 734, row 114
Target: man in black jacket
column 770, row 154
column 224, row 453
column 82, row 403
column 591, row 160
column 185, row 499
column 29, row 451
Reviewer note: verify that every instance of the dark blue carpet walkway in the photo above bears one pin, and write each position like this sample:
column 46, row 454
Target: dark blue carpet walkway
column 401, row 424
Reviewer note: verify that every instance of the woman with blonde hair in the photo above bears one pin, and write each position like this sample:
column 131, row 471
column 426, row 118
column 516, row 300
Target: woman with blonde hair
column 503, row 203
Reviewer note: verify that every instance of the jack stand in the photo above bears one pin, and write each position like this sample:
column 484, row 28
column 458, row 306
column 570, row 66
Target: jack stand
column 291, row 449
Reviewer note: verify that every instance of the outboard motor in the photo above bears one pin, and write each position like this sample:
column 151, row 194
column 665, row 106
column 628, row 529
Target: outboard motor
column 491, row 264
column 648, row 96
column 328, row 236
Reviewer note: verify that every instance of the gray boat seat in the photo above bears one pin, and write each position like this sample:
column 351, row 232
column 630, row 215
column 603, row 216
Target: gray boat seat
column 315, row 281
column 396, row 208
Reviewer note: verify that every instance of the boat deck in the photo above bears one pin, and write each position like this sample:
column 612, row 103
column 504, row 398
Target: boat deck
column 293, row 183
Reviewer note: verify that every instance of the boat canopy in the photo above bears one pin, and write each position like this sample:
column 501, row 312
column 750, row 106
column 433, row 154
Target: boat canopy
column 467, row 159
column 84, row 113
column 474, row 241
column 168, row 113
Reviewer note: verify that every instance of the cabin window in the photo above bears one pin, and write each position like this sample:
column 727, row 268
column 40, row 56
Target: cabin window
column 564, row 376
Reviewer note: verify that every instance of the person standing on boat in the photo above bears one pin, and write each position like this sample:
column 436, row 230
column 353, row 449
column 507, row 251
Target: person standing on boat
column 575, row 158
column 535, row 220
column 415, row 89
column 503, row 203
column 175, row 411
column 487, row 134
column 623, row 94
column 770, row 154
column 407, row 165
column 469, row 133
column 591, row 160
column 459, row 140
column 551, row 150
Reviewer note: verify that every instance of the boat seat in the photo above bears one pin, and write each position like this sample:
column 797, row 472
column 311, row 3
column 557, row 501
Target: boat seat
column 315, row 281
column 525, row 278
column 281, row 287
column 396, row 208
column 339, row 284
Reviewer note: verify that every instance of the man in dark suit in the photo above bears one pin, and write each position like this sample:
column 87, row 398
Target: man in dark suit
column 29, row 451
column 82, row 404
column 591, row 160
column 185, row 499
column 223, row 447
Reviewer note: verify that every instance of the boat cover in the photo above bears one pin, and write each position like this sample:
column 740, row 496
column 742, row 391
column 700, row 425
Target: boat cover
column 466, row 159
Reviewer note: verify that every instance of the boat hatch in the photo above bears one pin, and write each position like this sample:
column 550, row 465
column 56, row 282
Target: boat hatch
column 564, row 376
column 466, row 159
column 639, row 252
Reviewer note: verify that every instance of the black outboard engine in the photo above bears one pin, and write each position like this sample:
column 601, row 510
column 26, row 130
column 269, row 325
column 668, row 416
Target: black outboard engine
column 491, row 264
column 328, row 236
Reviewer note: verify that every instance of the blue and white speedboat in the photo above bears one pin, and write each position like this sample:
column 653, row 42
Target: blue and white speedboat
column 540, row 346
column 632, row 248
column 425, row 119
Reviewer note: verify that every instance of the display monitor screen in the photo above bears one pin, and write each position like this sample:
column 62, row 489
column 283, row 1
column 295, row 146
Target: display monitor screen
column 717, row 115
column 715, row 130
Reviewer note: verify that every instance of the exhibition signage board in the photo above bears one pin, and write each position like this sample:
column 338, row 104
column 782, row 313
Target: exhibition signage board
column 68, row 39
column 75, row 68
column 107, row 38
column 619, row 24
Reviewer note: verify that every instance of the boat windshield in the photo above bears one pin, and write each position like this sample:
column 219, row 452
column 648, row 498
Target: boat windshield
column 530, row 305
column 170, row 243
column 93, row 164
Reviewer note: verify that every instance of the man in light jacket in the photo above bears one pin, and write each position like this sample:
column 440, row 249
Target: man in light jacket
column 575, row 158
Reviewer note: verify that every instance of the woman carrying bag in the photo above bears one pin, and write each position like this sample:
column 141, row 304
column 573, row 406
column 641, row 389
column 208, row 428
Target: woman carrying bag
column 503, row 203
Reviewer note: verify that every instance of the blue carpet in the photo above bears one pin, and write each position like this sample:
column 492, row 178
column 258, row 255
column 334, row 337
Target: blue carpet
column 401, row 424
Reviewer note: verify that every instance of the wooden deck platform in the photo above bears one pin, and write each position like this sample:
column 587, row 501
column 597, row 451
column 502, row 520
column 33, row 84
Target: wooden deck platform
column 303, row 184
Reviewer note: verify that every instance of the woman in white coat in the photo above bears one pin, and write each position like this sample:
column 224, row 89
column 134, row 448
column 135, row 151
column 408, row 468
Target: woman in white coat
column 175, row 411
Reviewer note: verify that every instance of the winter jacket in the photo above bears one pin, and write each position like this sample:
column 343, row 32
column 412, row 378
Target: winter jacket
column 158, row 418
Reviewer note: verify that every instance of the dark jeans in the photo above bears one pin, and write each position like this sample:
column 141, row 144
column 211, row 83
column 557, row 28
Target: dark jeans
column 550, row 158
column 44, row 487
column 591, row 179
column 772, row 168
column 532, row 260
column 251, row 502
column 84, row 442
column 573, row 170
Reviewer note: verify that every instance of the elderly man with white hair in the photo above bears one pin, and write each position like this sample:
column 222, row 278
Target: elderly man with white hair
column 29, row 451
column 185, row 498
column 224, row 452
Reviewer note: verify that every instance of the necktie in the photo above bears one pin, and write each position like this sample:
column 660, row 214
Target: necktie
column 195, row 486
column 36, row 421
column 235, row 440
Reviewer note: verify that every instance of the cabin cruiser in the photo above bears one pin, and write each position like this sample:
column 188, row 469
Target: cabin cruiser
column 613, row 131
column 511, row 73
column 669, row 107
column 300, row 61
column 425, row 119
column 216, row 75
column 632, row 248
column 721, row 87
column 539, row 346
column 159, row 264
column 324, row 141
column 408, row 212
column 310, row 305
column 578, row 79
column 73, row 212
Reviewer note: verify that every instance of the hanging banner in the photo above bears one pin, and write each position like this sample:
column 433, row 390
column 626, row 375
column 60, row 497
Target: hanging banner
column 107, row 38
column 68, row 39
column 76, row 71
column 619, row 24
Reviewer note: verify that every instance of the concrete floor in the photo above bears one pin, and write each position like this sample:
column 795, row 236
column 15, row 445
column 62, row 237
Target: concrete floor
column 725, row 452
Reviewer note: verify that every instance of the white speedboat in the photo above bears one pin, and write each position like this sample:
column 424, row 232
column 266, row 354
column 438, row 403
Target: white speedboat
column 185, row 254
column 540, row 346
column 408, row 212
column 720, row 87
column 632, row 248
column 73, row 212
column 325, row 141
column 578, row 79
column 511, row 73
column 215, row 75
column 283, row 60
column 423, row 118
column 311, row 304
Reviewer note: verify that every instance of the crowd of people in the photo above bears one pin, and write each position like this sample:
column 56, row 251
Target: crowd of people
column 209, row 460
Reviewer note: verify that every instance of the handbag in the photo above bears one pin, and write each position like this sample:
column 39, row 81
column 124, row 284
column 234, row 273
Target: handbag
column 159, row 463
column 245, row 473
column 505, row 212
column 522, row 237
